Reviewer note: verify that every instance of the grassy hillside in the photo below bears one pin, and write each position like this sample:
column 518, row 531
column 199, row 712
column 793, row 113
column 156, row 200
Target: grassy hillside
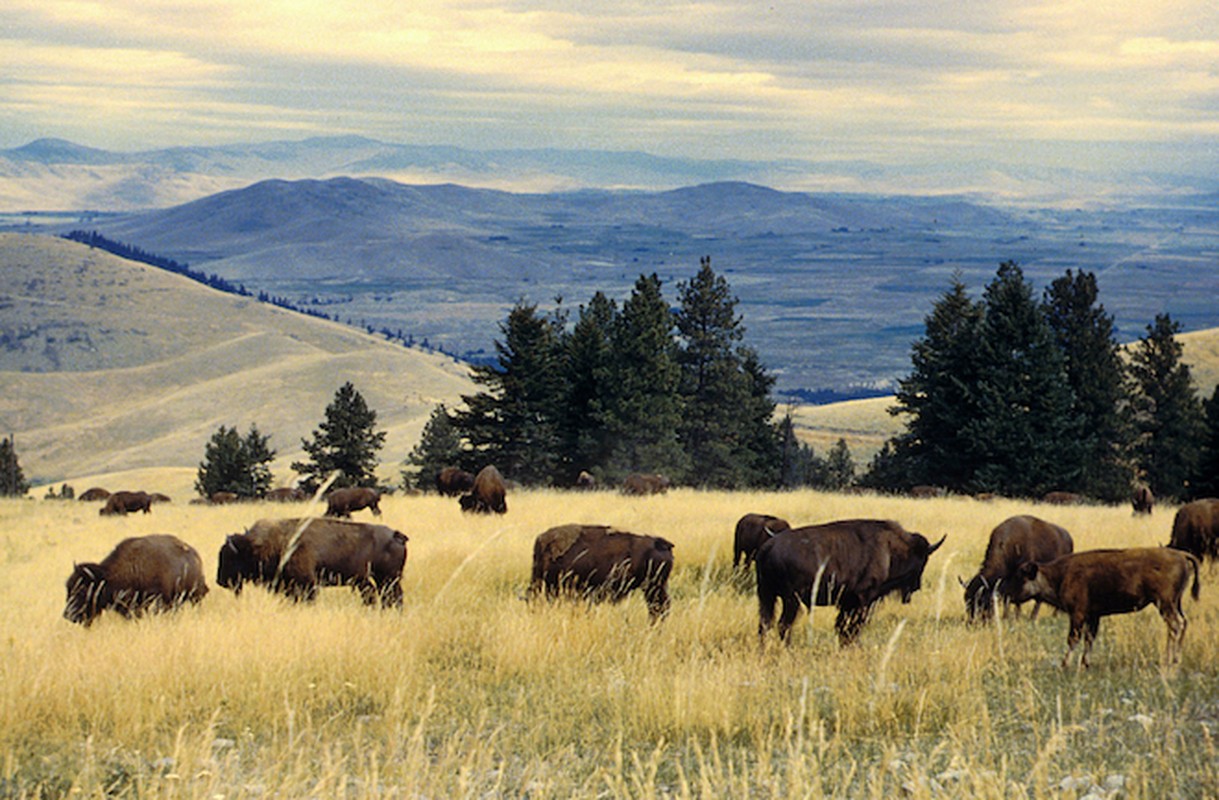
column 470, row 692
column 109, row 365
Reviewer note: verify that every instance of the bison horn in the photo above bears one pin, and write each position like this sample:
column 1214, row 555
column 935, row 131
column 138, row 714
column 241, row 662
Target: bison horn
column 936, row 546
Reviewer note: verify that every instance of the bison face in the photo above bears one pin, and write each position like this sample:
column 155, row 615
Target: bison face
column 237, row 562
column 912, row 580
column 979, row 599
column 84, row 587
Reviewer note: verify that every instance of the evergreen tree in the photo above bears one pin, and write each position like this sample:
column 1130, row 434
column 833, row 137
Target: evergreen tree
column 839, row 467
column 12, row 479
column 439, row 446
column 346, row 442
column 1168, row 415
column 1096, row 373
column 515, row 423
column 1028, row 428
column 1205, row 482
column 643, row 409
column 760, row 434
column 235, row 464
column 589, row 361
column 798, row 464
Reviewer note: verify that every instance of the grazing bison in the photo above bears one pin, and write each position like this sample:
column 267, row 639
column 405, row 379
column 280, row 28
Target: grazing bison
column 94, row 494
column 126, row 502
column 1062, row 498
column 222, row 498
column 295, row 556
column 751, row 531
column 341, row 502
column 586, row 480
column 1013, row 543
column 1097, row 583
column 1195, row 529
column 851, row 564
column 286, row 494
column 640, row 483
column 602, row 563
column 452, row 482
column 487, row 494
column 1142, row 500
column 923, row 491
column 158, row 572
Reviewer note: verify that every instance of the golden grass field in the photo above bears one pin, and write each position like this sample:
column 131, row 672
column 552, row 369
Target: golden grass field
column 469, row 691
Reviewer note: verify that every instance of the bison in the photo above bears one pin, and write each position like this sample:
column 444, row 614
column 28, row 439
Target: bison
column 751, row 531
column 487, row 494
column 924, row 491
column 222, row 498
column 158, row 572
column 1098, row 583
column 295, row 556
column 586, row 481
column 122, row 503
column 1062, row 498
column 94, row 494
column 453, row 482
column 286, row 494
column 602, row 563
column 1195, row 529
column 851, row 564
column 1142, row 500
column 640, row 484
column 341, row 502
column 1013, row 543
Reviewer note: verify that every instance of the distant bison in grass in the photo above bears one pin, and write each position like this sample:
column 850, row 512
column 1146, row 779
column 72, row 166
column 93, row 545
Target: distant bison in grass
column 488, row 494
column 1195, row 529
column 158, row 572
column 453, row 481
column 94, row 494
column 342, row 502
column 122, row 503
column 645, row 483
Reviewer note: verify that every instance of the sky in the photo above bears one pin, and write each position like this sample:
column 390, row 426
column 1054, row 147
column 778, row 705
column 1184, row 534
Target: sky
column 1116, row 85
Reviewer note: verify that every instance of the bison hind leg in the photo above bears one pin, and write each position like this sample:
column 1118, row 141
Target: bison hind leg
column 1175, row 619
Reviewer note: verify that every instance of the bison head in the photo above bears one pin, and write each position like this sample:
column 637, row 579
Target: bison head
column 910, row 578
column 237, row 562
column 979, row 599
column 85, row 587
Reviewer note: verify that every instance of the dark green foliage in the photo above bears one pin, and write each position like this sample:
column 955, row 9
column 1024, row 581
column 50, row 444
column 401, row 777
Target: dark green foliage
column 1168, row 415
column 12, row 479
column 1205, row 482
column 439, row 447
column 346, row 443
column 798, row 464
column 839, row 467
column 232, row 463
column 590, row 355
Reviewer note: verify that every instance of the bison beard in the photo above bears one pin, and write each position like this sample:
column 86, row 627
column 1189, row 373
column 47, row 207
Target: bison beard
column 851, row 564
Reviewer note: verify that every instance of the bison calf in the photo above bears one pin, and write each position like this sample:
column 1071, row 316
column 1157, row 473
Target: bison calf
column 1098, row 583
column 157, row 572
column 1013, row 543
column 602, row 563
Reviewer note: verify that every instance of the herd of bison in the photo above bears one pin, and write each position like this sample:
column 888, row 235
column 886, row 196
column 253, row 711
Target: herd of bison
column 850, row 564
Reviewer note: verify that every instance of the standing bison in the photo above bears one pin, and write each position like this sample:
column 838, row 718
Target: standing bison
column 1142, row 500
column 1098, row 583
column 851, row 564
column 295, row 556
column 1013, row 543
column 452, row 482
column 286, row 494
column 487, row 495
column 158, row 572
column 342, row 502
column 94, row 494
column 601, row 563
column 751, row 531
column 123, row 503
column 645, row 483
column 1195, row 529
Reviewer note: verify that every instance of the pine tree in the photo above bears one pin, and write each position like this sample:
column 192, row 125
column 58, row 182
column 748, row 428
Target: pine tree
column 12, row 479
column 235, row 464
column 1168, row 415
column 839, row 467
column 1096, row 373
column 1205, row 482
column 439, row 446
column 589, row 360
column 346, row 442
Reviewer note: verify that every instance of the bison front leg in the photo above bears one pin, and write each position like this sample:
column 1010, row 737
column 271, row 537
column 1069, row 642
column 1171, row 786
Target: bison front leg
column 791, row 608
column 850, row 622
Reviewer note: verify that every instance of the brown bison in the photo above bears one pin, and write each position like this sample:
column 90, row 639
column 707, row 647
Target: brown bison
column 94, row 494
column 145, row 573
column 1098, row 583
column 1062, row 498
column 452, row 481
column 1013, row 543
column 127, row 502
column 851, row 564
column 601, row 563
column 640, row 484
column 487, row 494
column 924, row 491
column 341, row 502
column 286, row 494
column 751, row 531
column 586, row 481
column 295, row 556
column 222, row 498
column 1195, row 529
column 1142, row 500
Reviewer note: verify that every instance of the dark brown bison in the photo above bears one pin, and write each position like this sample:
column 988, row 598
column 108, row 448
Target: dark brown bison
column 127, row 502
column 452, row 482
column 341, row 502
column 924, row 492
column 751, row 531
column 487, row 494
column 145, row 573
column 586, row 481
column 1142, row 500
column 295, row 556
column 222, row 498
column 601, row 563
column 1062, row 498
column 286, row 494
column 640, row 483
column 1098, row 583
column 1013, row 543
column 94, row 494
column 851, row 564
column 1195, row 529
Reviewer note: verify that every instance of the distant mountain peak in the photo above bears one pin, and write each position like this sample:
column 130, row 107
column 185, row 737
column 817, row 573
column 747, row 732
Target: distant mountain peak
column 49, row 150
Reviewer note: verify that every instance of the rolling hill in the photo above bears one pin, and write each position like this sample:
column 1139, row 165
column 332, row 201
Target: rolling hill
column 109, row 365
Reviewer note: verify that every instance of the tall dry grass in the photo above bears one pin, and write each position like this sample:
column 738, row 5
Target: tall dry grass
column 471, row 691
